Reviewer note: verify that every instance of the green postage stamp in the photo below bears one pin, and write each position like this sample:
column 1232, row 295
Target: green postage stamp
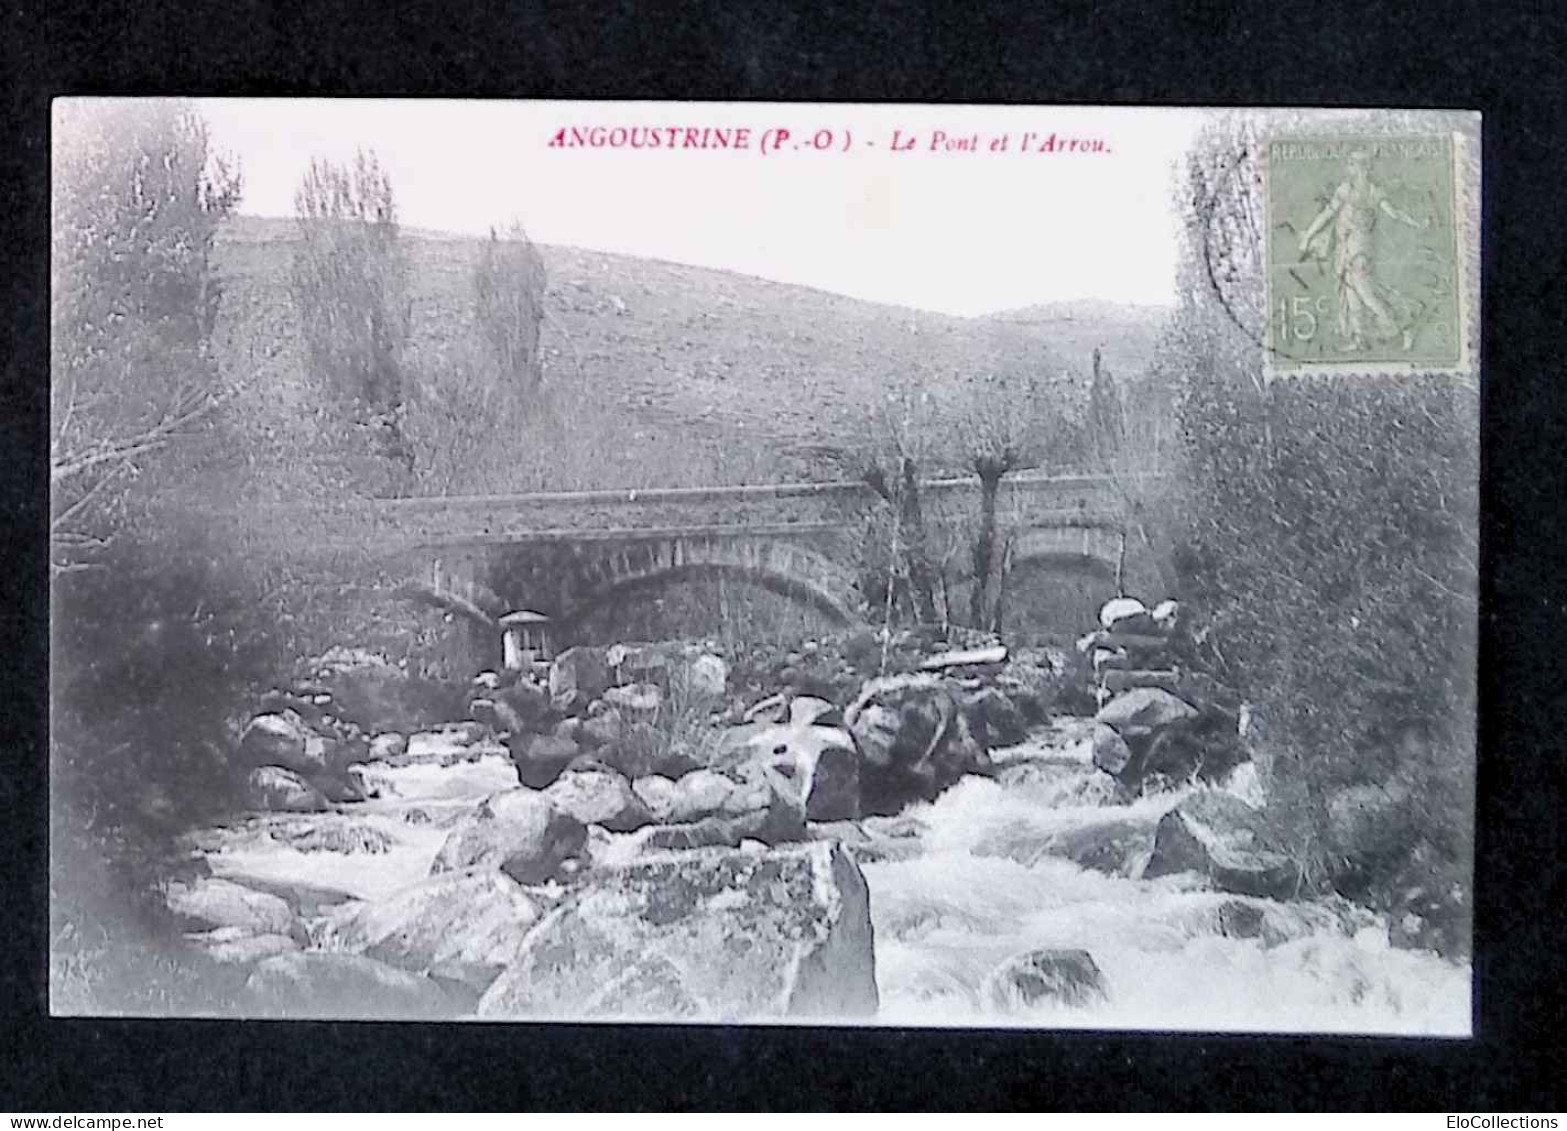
column 1364, row 263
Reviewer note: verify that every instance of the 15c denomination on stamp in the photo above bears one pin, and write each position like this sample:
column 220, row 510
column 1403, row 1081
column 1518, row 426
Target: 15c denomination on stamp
column 1364, row 271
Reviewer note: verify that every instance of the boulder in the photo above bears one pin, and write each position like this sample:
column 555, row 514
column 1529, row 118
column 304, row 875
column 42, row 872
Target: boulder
column 500, row 719
column 337, row 788
column 471, row 922
column 234, row 946
column 467, row 732
column 709, row 807
column 914, row 741
column 1130, row 679
column 819, row 760
column 1065, row 977
column 640, row 663
column 864, row 841
column 832, row 783
column 282, row 739
column 1138, row 624
column 638, row 750
column 772, row 710
column 378, row 696
column 1105, row 660
column 319, row 984
column 706, row 677
column 520, row 832
column 1139, row 644
column 214, row 903
column 273, row 787
column 994, row 718
column 636, row 701
column 540, row 758
column 677, row 757
column 599, row 729
column 1236, row 919
column 599, row 797
column 1218, row 835
column 705, row 793
column 658, row 793
column 524, row 704
column 577, row 677
column 812, row 710
column 336, row 833
column 1114, row 847
column 991, row 656
column 1111, row 753
column 716, row 934
column 1146, row 707
column 1118, row 609
column 388, row 747
column 294, row 701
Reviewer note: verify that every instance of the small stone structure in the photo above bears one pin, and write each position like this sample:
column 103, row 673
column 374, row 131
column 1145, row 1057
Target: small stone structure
column 525, row 639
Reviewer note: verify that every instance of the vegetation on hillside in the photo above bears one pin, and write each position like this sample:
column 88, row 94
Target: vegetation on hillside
column 651, row 374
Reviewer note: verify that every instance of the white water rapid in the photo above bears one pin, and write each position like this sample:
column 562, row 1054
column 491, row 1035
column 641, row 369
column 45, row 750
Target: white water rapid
column 957, row 887
column 982, row 886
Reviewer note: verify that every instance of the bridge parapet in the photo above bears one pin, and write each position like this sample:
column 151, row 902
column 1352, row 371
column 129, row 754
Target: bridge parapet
column 778, row 510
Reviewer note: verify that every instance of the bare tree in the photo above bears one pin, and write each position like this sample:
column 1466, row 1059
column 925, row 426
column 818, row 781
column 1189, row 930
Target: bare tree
column 350, row 287
column 1006, row 422
column 138, row 197
column 990, row 425
column 889, row 452
column 508, row 295
column 469, row 411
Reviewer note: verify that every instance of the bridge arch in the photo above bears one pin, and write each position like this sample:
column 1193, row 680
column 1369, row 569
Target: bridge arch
column 1060, row 576
column 788, row 569
column 1093, row 549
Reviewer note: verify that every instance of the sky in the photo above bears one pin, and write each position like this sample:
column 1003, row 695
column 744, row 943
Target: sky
column 962, row 231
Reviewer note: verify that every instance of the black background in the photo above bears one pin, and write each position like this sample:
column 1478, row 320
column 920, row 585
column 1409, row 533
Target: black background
column 1507, row 63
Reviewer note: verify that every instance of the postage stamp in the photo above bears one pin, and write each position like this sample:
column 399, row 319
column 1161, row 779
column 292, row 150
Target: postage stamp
column 1364, row 271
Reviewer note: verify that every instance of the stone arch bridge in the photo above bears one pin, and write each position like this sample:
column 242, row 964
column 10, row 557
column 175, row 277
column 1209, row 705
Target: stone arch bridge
column 566, row 554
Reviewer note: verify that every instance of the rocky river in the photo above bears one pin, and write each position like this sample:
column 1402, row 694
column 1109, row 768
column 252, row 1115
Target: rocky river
column 1038, row 857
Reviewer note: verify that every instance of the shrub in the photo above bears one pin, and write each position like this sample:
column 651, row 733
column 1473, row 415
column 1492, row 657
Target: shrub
column 1327, row 533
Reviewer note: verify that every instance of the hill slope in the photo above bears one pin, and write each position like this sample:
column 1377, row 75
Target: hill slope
column 660, row 373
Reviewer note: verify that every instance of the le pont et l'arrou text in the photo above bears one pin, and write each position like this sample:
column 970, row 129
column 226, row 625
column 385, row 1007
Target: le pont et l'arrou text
column 821, row 139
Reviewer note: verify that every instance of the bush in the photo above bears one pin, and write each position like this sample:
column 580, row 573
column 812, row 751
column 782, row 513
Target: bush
column 154, row 659
column 1327, row 534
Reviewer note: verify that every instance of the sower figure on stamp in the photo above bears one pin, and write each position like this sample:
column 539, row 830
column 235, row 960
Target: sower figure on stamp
column 1366, row 309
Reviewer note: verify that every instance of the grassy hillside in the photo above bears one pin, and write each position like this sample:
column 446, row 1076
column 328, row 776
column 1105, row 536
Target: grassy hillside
column 658, row 373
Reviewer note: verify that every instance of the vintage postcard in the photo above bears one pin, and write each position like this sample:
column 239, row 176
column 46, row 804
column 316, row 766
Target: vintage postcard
column 798, row 564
